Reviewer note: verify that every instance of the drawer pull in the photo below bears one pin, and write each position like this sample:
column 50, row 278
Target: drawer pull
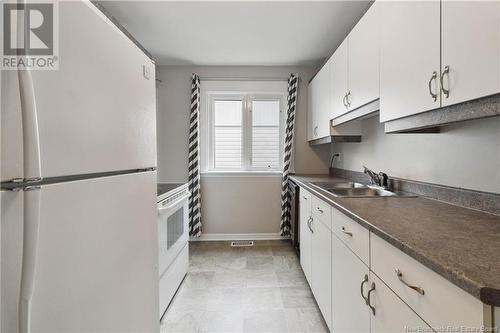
column 372, row 288
column 346, row 232
column 305, row 198
column 419, row 290
column 320, row 210
column 365, row 280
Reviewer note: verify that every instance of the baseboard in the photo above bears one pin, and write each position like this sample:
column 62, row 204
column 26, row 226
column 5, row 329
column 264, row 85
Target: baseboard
column 231, row 237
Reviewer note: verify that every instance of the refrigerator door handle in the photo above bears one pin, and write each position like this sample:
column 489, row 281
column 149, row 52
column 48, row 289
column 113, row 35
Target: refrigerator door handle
column 32, row 198
column 32, row 172
column 31, row 138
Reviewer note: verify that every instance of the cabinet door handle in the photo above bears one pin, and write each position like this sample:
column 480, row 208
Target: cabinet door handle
column 433, row 77
column 346, row 232
column 446, row 72
column 315, row 130
column 418, row 289
column 365, row 280
column 343, row 100
column 320, row 210
column 304, row 197
column 309, row 221
column 347, row 99
column 372, row 288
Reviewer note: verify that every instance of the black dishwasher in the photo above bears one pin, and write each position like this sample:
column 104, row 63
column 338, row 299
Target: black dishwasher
column 293, row 199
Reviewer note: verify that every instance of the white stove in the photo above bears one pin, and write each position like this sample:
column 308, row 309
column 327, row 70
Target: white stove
column 173, row 237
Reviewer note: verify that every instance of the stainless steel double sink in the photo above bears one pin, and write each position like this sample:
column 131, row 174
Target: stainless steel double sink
column 357, row 190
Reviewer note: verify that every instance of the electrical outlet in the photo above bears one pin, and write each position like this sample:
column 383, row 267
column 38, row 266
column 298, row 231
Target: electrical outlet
column 336, row 158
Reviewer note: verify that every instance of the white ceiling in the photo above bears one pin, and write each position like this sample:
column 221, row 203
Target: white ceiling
column 238, row 32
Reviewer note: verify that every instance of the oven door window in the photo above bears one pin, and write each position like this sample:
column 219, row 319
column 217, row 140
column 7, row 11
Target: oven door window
column 175, row 227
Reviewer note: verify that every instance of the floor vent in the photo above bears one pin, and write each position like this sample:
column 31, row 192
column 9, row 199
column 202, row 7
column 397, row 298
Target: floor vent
column 241, row 243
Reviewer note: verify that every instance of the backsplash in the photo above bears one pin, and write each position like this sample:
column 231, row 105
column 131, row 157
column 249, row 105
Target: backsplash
column 464, row 155
column 483, row 201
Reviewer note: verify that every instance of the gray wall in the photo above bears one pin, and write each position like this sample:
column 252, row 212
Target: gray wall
column 239, row 205
column 235, row 204
column 465, row 155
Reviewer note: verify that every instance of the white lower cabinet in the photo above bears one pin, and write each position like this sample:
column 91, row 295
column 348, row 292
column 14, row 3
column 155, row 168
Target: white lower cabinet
column 374, row 287
column 315, row 253
column 389, row 314
column 361, row 302
column 430, row 295
column 349, row 281
column 305, row 232
column 321, row 268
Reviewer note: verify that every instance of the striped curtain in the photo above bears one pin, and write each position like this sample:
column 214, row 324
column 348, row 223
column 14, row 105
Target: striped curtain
column 194, row 158
column 287, row 154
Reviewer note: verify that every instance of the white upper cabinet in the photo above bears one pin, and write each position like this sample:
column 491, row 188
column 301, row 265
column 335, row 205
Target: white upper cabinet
column 353, row 75
column 339, row 80
column 364, row 60
column 437, row 53
column 310, row 123
column 415, row 56
column 409, row 57
column 319, row 104
column 470, row 49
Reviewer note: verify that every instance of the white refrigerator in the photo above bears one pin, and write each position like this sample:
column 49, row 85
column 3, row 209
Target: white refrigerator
column 79, row 246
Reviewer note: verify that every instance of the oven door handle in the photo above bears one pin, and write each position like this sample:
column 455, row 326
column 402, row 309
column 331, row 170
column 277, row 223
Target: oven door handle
column 161, row 210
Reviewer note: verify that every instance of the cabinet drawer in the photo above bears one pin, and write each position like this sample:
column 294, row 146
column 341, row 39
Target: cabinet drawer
column 322, row 211
column 441, row 303
column 304, row 196
column 391, row 314
column 355, row 236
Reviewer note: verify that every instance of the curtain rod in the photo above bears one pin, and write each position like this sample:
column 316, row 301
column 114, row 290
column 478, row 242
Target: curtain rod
column 243, row 78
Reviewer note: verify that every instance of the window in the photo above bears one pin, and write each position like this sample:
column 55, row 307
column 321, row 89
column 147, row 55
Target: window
column 227, row 134
column 246, row 132
column 266, row 134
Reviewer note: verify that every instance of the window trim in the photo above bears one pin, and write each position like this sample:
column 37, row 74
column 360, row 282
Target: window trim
column 246, row 150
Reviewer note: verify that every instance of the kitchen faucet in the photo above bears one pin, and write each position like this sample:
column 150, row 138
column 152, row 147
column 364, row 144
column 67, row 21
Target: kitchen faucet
column 381, row 179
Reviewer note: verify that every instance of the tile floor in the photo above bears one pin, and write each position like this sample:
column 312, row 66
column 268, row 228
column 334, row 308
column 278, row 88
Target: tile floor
column 253, row 289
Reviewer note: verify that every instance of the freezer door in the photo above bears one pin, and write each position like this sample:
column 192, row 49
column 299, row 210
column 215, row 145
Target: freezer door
column 11, row 138
column 97, row 258
column 97, row 112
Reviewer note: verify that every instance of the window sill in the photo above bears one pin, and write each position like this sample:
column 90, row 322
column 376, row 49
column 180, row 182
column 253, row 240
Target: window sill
column 208, row 174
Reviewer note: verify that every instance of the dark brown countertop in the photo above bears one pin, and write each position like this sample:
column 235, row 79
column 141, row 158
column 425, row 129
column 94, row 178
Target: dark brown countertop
column 462, row 245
